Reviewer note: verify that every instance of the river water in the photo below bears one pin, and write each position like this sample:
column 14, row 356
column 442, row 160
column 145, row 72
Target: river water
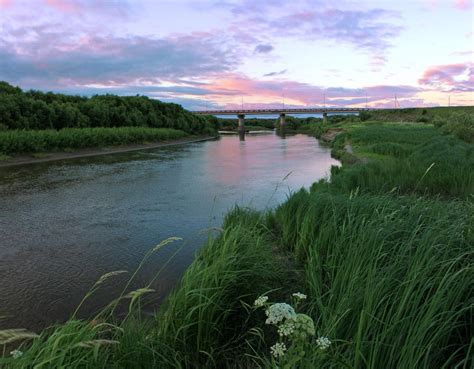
column 64, row 224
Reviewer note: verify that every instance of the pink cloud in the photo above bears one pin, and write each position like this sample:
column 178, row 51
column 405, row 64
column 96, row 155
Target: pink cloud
column 5, row 3
column 67, row 6
column 264, row 93
column 463, row 4
column 451, row 77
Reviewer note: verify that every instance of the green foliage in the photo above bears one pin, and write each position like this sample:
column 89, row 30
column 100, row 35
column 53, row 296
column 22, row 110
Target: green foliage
column 365, row 115
column 459, row 124
column 34, row 110
column 410, row 158
column 389, row 278
column 204, row 321
column 19, row 141
column 421, row 115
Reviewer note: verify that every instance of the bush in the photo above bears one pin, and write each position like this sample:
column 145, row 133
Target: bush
column 364, row 115
column 461, row 125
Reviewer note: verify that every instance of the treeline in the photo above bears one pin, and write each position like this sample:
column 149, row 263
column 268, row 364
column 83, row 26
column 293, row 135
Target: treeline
column 36, row 110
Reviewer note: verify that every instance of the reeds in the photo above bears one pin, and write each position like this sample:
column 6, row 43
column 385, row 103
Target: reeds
column 19, row 141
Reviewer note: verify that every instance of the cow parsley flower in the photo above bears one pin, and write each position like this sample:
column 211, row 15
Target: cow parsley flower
column 286, row 328
column 260, row 301
column 304, row 326
column 279, row 311
column 323, row 343
column 278, row 349
column 300, row 296
column 16, row 354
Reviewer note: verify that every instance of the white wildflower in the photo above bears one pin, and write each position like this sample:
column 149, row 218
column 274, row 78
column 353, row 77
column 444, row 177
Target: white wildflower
column 16, row 354
column 300, row 296
column 277, row 312
column 278, row 349
column 323, row 343
column 260, row 301
column 286, row 328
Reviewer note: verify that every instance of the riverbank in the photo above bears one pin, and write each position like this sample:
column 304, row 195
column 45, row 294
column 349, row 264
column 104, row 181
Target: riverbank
column 382, row 253
column 89, row 152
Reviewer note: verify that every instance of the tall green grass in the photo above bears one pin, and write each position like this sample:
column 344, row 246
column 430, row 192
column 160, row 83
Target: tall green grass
column 204, row 323
column 19, row 141
column 392, row 279
column 423, row 115
column 405, row 159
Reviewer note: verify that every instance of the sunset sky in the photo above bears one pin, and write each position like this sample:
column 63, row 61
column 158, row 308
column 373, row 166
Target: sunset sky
column 216, row 54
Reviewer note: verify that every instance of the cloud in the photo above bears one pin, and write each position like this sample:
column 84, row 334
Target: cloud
column 67, row 6
column 449, row 77
column 298, row 93
column 98, row 7
column 263, row 49
column 50, row 58
column 371, row 30
column 463, row 4
column 463, row 53
column 272, row 74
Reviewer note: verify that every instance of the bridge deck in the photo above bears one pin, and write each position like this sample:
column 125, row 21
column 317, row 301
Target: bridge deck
column 280, row 111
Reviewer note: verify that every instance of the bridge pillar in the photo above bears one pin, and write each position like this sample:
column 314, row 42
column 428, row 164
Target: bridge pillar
column 282, row 121
column 241, row 128
column 325, row 117
column 241, row 118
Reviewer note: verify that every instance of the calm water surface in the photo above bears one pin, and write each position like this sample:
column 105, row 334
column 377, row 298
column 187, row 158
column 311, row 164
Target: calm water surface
column 64, row 224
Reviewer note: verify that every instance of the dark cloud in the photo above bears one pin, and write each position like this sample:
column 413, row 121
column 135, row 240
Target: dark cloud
column 263, row 48
column 272, row 74
column 52, row 58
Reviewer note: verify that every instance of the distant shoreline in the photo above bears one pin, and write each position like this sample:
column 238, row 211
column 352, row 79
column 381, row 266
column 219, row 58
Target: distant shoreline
column 84, row 153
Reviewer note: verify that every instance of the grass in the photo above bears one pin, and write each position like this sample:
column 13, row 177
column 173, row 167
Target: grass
column 384, row 251
column 19, row 141
column 405, row 158
column 388, row 277
column 422, row 115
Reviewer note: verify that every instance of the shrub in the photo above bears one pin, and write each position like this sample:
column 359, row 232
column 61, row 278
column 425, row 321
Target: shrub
column 461, row 125
column 17, row 141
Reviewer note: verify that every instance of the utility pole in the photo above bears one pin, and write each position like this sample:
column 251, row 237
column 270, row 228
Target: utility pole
column 366, row 101
column 449, row 100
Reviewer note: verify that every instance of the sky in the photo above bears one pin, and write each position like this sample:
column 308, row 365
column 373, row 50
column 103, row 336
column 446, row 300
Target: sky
column 207, row 54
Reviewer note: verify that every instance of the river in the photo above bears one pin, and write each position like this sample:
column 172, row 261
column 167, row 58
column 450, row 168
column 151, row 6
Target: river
column 64, row 224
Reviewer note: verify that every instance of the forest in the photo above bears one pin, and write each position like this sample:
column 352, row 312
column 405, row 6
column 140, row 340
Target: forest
column 36, row 110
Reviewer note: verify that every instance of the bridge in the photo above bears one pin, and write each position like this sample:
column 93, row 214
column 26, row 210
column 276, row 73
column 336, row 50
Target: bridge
column 282, row 112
